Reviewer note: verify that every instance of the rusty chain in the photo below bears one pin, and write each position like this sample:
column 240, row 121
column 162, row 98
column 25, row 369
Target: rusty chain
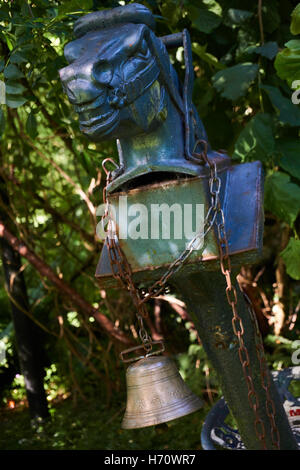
column 122, row 271
column 264, row 374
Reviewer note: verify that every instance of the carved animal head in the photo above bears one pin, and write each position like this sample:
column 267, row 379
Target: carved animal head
column 112, row 78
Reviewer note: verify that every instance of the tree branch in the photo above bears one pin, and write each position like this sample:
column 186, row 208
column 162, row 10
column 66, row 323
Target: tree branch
column 63, row 287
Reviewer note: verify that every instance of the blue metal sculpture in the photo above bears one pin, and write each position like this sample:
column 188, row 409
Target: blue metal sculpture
column 123, row 86
column 217, row 433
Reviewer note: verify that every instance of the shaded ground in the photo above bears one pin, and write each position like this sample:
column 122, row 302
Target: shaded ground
column 92, row 426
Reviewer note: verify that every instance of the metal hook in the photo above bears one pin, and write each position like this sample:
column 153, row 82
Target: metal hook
column 111, row 161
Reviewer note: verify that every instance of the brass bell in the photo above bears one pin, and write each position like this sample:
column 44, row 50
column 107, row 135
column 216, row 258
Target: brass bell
column 156, row 393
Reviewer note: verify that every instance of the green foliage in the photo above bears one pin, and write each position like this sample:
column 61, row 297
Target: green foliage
column 268, row 49
column 256, row 141
column 31, row 125
column 207, row 17
column 295, row 23
column 234, row 82
column 282, row 197
column 288, row 113
column 291, row 257
column 289, row 161
column 287, row 62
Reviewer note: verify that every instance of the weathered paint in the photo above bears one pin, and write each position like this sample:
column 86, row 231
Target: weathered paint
column 241, row 192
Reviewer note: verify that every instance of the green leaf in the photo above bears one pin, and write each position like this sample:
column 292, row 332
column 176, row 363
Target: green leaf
column 14, row 88
column 18, row 58
column 12, row 72
column 295, row 24
column 288, row 112
column 206, row 56
column 31, row 125
column 207, row 17
column 290, row 159
column 206, row 21
column 14, row 101
column 171, row 12
column 287, row 62
column 2, row 122
column 256, row 141
column 8, row 37
column 212, row 5
column 237, row 17
column 291, row 257
column 270, row 16
column 234, row 81
column 282, row 197
column 75, row 5
column 268, row 49
column 2, row 65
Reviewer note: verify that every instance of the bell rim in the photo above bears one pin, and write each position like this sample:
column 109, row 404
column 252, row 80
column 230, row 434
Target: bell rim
column 192, row 404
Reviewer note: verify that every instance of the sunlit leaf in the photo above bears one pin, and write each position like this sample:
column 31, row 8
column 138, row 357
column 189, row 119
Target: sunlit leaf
column 75, row 5
column 256, row 141
column 291, row 258
column 282, row 197
column 295, row 24
column 206, row 56
column 206, row 17
column 236, row 16
column 287, row 62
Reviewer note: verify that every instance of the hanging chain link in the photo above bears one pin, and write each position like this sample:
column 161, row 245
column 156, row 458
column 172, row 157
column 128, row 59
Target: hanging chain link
column 121, row 269
column 215, row 216
column 265, row 375
column 238, row 330
column 237, row 326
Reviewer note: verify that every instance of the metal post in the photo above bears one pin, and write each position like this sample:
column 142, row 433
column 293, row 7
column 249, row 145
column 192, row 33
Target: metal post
column 206, row 303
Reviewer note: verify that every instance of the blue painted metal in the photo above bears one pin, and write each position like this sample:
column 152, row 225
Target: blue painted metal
column 122, row 85
column 241, row 188
column 216, row 433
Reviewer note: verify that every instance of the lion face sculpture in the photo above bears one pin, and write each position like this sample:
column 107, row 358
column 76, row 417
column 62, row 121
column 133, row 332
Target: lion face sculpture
column 123, row 86
column 112, row 82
